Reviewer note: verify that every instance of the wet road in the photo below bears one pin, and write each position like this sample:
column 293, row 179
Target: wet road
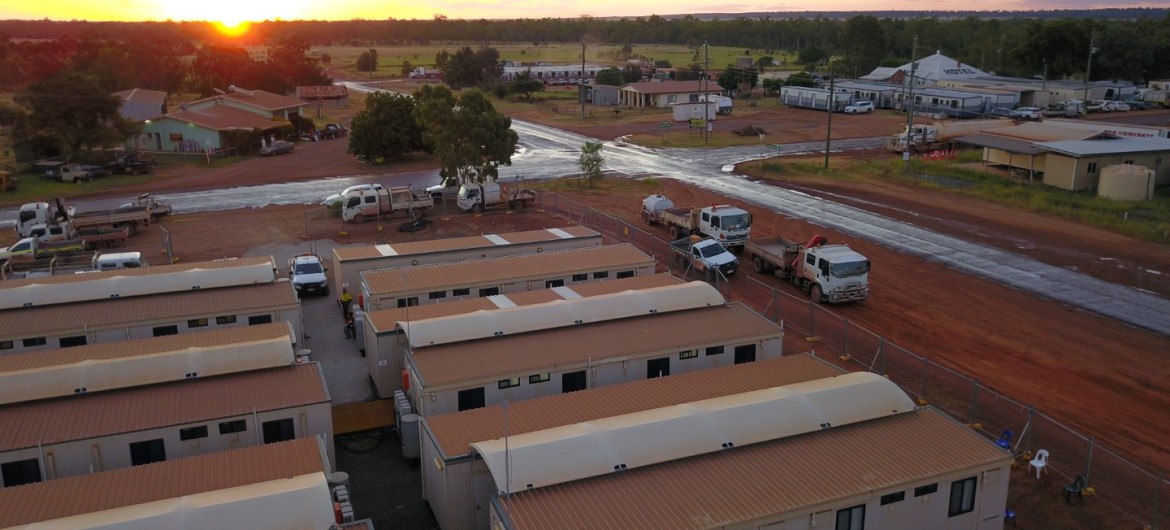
column 547, row 152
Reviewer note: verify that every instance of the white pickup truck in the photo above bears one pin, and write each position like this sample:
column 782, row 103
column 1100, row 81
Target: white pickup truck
column 706, row 255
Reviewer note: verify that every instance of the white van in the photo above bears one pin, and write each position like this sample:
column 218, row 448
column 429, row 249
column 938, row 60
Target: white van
column 118, row 260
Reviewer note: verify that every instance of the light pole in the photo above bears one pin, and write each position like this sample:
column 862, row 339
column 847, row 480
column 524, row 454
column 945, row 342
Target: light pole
column 1089, row 66
column 706, row 95
column 909, row 105
column 581, row 82
column 830, row 104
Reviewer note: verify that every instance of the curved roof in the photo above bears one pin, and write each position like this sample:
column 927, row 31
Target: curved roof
column 588, row 449
column 560, row 313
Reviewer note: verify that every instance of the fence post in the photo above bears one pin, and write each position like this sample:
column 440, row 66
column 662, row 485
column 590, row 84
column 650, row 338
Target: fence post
column 812, row 318
column 925, row 375
column 1089, row 460
column 975, row 401
column 775, row 306
column 881, row 353
column 845, row 342
column 1157, row 495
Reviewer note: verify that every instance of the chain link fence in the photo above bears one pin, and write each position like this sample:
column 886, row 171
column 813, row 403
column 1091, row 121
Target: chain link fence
column 1136, row 493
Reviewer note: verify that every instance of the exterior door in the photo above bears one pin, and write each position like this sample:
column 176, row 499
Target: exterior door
column 279, row 431
column 573, row 381
column 658, row 367
column 745, row 353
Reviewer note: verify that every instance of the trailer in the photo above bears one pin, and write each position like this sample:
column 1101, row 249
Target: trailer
column 940, row 134
column 828, row 273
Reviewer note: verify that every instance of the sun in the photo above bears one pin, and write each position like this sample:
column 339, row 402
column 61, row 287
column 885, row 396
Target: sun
column 232, row 28
column 232, row 17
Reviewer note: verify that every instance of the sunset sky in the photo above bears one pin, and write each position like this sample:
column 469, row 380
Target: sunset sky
column 253, row 10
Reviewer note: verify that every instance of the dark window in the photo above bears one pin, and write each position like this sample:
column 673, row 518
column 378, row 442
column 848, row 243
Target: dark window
column 893, row 497
column 163, row 331
column 580, row 277
column 460, row 292
column 6, row 345
column 437, row 295
column 745, row 353
column 715, row 350
column 229, row 427
column 490, row 291
column 193, row 433
column 549, row 284
column 197, row 323
column 471, row 399
column 573, row 381
column 538, row 378
column 962, row 497
column 408, row 302
column 625, row 274
column 810, row 259
column 508, row 383
column 600, row 275
column 147, row 452
column 1092, row 167
column 851, row 518
column 279, row 431
column 20, row 472
column 689, row 354
column 226, row 319
column 69, row 342
column 659, row 367
column 36, row 341
column 925, row 490
column 259, row 319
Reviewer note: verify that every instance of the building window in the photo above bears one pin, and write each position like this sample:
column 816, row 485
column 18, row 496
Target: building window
column 688, row 354
column 745, row 353
column 962, row 497
column 893, row 497
column 460, row 292
column 714, row 350
column 539, row 378
column 33, row 342
column 580, row 277
column 408, row 302
column 489, row 291
column 925, row 490
column 559, row 282
column 471, row 398
column 229, row 427
column 625, row 274
column 851, row 518
column 197, row 323
column 162, row 331
column 436, row 295
column 6, row 345
column 259, row 319
column 600, row 275
column 147, row 452
column 226, row 319
column 69, row 342
column 1092, row 167
column 193, row 433
column 508, row 383
column 278, row 431
column 1130, row 162
column 20, row 472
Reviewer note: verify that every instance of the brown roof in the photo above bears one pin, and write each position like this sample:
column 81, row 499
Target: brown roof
column 144, row 271
column 388, row 282
column 1039, row 132
column 672, row 87
column 455, row 432
column 71, row 418
column 766, row 480
column 43, row 320
column 322, row 92
column 384, row 320
column 141, row 347
column 260, row 99
column 224, row 118
column 513, row 355
column 141, row 95
column 107, row 490
column 356, row 252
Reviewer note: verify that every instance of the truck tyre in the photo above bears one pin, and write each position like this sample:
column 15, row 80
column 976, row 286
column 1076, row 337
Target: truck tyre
column 758, row 264
column 359, row 218
column 478, row 208
column 675, row 232
column 816, row 294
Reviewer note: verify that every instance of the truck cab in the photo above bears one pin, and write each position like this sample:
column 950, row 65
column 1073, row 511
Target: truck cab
column 728, row 224
column 834, row 273
column 475, row 197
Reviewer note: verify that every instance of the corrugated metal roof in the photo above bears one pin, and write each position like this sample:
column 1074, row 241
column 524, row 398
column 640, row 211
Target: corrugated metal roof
column 358, row 252
column 46, row 320
column 509, row 356
column 997, row 142
column 322, row 91
column 223, row 118
column 670, row 87
column 384, row 320
column 765, row 480
column 82, row 417
column 1038, row 132
column 261, row 99
column 1107, row 146
column 455, row 432
column 140, row 347
column 389, row 282
column 64, row 497
column 142, row 95
column 153, row 270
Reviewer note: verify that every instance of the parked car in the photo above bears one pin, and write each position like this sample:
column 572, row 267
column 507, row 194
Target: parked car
column 308, row 274
column 278, row 147
column 1026, row 113
column 999, row 112
column 1116, row 106
column 1097, row 105
column 332, row 130
column 1137, row 104
column 334, row 201
column 859, row 107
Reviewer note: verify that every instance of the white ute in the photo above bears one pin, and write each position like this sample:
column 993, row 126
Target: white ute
column 308, row 274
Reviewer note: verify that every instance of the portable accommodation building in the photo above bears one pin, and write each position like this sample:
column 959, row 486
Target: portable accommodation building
column 229, row 489
column 1076, row 165
column 475, row 373
column 459, row 482
column 881, row 94
column 939, row 102
column 383, row 340
column 698, row 110
column 815, row 98
column 81, row 434
column 443, row 282
column 350, row 261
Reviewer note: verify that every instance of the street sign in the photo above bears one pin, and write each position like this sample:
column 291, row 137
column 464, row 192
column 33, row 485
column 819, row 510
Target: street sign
column 774, row 146
column 698, row 122
column 665, row 125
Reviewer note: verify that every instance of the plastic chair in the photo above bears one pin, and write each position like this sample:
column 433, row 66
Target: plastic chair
column 1040, row 462
column 1076, row 488
column 1005, row 440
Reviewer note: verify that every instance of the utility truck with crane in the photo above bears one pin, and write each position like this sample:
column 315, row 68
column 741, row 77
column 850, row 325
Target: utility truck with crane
column 939, row 135
column 828, row 273
column 729, row 225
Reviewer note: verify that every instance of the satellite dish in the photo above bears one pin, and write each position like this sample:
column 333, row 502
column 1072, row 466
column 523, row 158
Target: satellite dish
column 218, row 91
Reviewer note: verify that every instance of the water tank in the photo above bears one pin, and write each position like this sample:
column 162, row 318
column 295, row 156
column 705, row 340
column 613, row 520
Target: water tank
column 410, row 436
column 303, row 355
column 656, row 203
column 359, row 330
column 1127, row 182
column 339, row 478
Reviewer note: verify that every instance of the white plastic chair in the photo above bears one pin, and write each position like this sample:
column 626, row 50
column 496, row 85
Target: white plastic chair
column 1040, row 462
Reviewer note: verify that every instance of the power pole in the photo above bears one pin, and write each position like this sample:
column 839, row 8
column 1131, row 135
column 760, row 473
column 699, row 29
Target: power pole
column 1089, row 66
column 832, row 100
column 581, row 83
column 909, row 104
column 706, row 95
